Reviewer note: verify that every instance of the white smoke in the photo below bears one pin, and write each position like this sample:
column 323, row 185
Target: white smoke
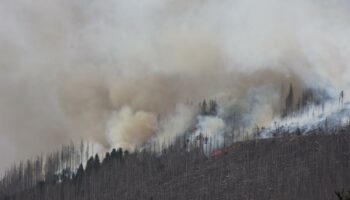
column 327, row 118
column 128, row 129
column 211, row 128
column 176, row 123
column 75, row 68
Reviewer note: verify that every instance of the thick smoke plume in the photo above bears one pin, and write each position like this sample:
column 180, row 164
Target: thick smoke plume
column 122, row 72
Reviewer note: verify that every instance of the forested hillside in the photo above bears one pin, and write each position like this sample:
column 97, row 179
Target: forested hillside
column 290, row 167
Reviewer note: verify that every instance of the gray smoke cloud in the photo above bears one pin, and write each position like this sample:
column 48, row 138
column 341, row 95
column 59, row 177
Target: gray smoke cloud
column 121, row 72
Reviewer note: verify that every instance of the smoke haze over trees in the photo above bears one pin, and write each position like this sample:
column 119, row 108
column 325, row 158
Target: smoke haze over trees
column 121, row 73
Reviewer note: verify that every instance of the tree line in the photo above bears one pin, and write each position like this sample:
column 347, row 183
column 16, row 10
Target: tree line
column 305, row 167
column 50, row 169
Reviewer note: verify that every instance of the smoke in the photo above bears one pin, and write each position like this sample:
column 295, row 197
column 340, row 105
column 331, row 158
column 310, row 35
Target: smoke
column 212, row 128
column 127, row 129
column 175, row 123
column 329, row 118
column 121, row 72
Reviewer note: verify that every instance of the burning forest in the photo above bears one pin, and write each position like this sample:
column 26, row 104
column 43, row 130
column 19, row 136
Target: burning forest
column 164, row 99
